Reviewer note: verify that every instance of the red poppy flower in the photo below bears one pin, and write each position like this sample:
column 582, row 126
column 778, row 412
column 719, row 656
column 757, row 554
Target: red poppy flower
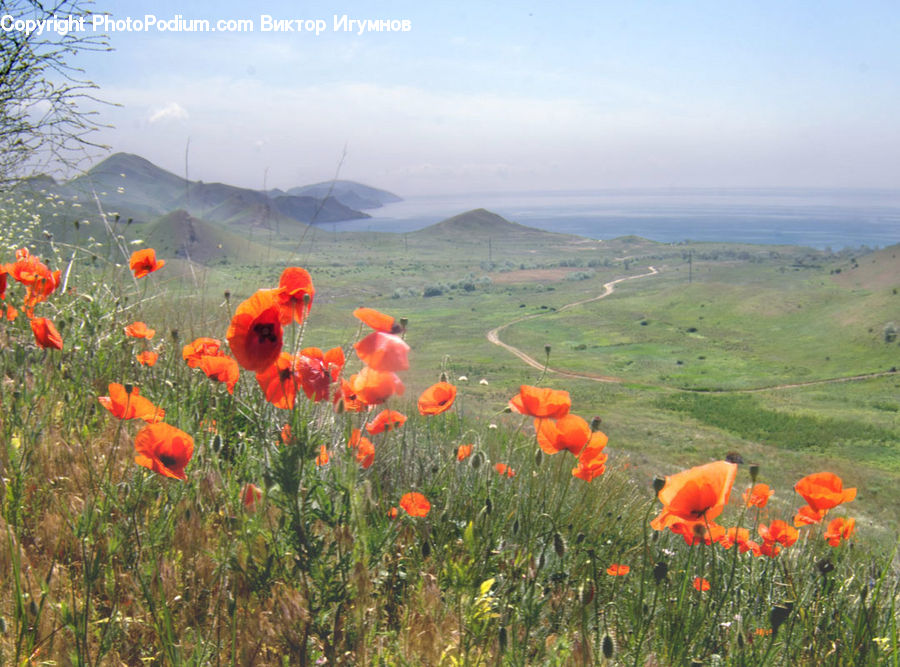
column 365, row 452
column 11, row 313
column 322, row 457
column 570, row 432
column 279, row 382
column 616, row 570
column 824, row 490
column 333, row 360
column 758, row 496
column 383, row 352
column 222, row 368
column 592, row 458
column 386, row 420
column 701, row 584
column 147, row 357
column 372, row 387
column 437, row 398
column 392, row 513
column 415, row 504
column 463, row 452
column 295, row 294
column 163, row 449
column 541, row 403
column 3, row 273
column 734, row 535
column 250, row 495
column 807, row 516
column 45, row 334
column 144, row 262
column 345, row 398
column 694, row 533
column 503, row 469
column 286, row 434
column 255, row 334
column 39, row 281
column 695, row 495
column 839, row 528
column 199, row 348
column 130, row 406
column 778, row 531
column 139, row 330
column 378, row 321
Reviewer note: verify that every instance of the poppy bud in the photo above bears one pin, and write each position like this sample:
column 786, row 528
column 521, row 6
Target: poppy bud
column 444, row 377
column 174, row 334
column 128, row 387
column 779, row 615
column 559, row 546
column 488, row 505
column 403, row 322
column 754, row 471
column 825, row 566
column 426, row 549
column 232, row 605
column 660, row 571
column 547, row 349
column 658, row 484
column 306, row 298
column 501, row 638
column 516, row 527
column 538, row 458
column 609, row 648
column 579, row 538
column 227, row 296
column 595, row 423
column 476, row 461
column 587, row 593
column 77, row 225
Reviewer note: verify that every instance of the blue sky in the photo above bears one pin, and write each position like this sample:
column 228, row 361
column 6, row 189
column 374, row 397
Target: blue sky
column 485, row 96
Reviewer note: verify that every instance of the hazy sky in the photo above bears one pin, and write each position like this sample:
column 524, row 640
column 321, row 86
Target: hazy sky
column 484, row 95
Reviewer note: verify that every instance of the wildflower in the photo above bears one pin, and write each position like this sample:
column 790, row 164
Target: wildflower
column 392, row 513
column 11, row 313
column 333, row 361
column 758, row 495
column 386, row 420
column 295, row 294
column 222, row 368
column 279, row 382
column 695, row 495
column 39, row 281
column 322, row 458
column 365, row 452
column 199, row 348
column 701, row 584
column 255, row 334
column 415, row 504
column 592, row 459
column 163, row 449
column 147, row 357
column 144, row 262
column 541, row 402
column 372, row 387
column 741, row 537
column 139, row 330
column 778, row 531
column 503, row 469
column 616, row 570
column 383, row 352
column 823, row 491
column 694, row 533
column 45, row 334
column 250, row 495
column 839, row 528
column 125, row 405
column 437, row 398
column 286, row 434
column 378, row 321
column 463, row 452
column 806, row 516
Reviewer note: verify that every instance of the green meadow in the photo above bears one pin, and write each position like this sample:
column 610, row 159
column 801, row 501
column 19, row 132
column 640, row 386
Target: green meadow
column 780, row 358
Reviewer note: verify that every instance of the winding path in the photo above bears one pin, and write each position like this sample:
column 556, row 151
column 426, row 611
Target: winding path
column 494, row 337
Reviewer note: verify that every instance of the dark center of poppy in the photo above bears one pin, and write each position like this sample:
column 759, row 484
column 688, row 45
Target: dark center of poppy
column 167, row 461
column 284, row 374
column 265, row 333
column 442, row 402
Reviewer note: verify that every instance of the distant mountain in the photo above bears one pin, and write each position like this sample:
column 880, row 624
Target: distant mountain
column 481, row 222
column 348, row 193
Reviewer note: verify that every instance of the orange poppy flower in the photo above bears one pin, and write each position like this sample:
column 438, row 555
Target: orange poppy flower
column 378, row 321
column 130, row 406
column 463, row 452
column 279, row 382
column 735, row 535
column 758, row 495
column 139, row 330
column 541, row 402
column 383, row 352
column 144, row 262
column 345, row 398
column 694, row 533
column 415, row 504
column 503, row 469
column 163, row 449
column 147, row 357
column 616, row 570
column 295, row 294
column 11, row 313
column 286, row 434
column 392, row 513
column 770, row 549
column 701, row 584
column 372, row 387
column 807, row 516
column 386, row 420
column 222, row 368
column 839, row 528
column 250, row 495
column 824, row 490
column 199, row 348
column 592, row 458
column 570, row 432
column 437, row 398
column 778, row 531
column 365, row 452
column 333, row 360
column 695, row 495
column 39, row 281
column 255, row 334
column 45, row 334
column 322, row 458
